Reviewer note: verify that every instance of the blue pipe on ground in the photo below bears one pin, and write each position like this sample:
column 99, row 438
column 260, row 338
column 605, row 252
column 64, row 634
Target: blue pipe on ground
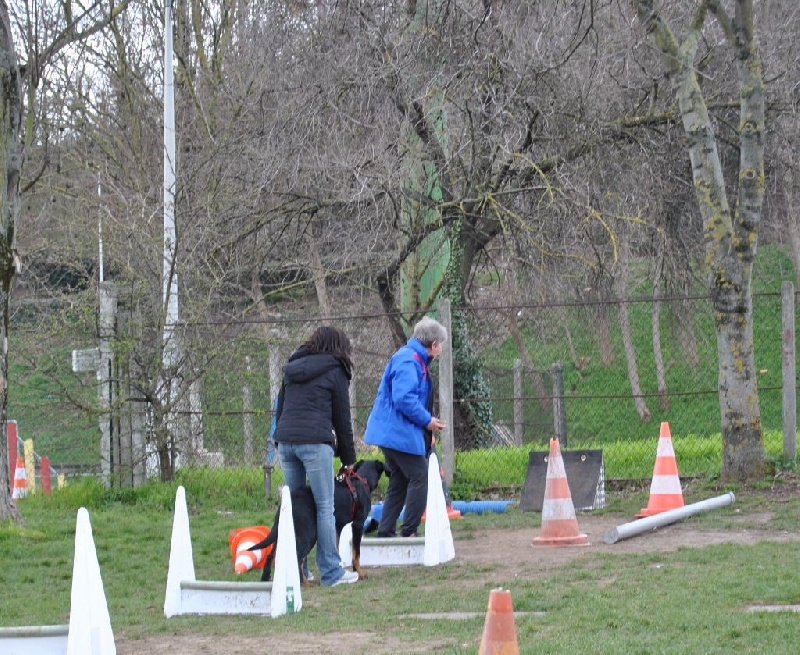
column 482, row 506
column 463, row 506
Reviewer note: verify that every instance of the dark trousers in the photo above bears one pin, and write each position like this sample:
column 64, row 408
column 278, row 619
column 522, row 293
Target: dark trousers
column 408, row 485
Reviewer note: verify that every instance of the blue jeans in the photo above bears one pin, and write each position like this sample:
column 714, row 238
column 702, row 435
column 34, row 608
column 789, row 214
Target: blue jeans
column 313, row 462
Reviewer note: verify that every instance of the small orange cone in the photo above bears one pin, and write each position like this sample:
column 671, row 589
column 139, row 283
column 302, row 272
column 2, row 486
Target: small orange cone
column 665, row 489
column 20, row 489
column 499, row 633
column 559, row 525
column 240, row 540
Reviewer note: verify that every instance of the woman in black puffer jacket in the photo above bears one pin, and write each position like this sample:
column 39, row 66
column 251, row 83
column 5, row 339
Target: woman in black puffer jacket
column 313, row 425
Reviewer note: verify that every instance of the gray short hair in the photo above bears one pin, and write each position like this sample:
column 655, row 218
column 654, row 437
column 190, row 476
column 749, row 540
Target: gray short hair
column 427, row 331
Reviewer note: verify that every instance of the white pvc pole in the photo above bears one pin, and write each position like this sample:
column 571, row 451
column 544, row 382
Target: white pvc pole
column 170, row 279
column 665, row 518
column 101, row 276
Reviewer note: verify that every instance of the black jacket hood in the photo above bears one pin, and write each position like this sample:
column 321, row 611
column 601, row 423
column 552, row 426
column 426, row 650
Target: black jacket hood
column 304, row 366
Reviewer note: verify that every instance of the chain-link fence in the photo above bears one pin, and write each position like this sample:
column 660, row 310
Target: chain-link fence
column 597, row 375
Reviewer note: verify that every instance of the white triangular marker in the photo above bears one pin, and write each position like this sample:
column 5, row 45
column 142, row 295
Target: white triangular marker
column 346, row 545
column 89, row 623
column 286, row 596
column 181, row 562
column 439, row 546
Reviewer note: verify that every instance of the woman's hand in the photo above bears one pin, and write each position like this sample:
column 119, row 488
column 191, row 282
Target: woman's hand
column 436, row 425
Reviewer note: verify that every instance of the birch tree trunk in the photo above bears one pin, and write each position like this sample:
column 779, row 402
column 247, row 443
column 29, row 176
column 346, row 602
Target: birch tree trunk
column 730, row 236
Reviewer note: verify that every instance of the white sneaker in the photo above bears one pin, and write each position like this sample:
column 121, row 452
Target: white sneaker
column 349, row 577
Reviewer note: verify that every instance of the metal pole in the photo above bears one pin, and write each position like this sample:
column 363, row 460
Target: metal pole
column 171, row 351
column 665, row 518
column 170, row 273
column 101, row 275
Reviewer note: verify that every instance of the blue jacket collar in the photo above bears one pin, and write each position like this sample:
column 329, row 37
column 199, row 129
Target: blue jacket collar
column 416, row 345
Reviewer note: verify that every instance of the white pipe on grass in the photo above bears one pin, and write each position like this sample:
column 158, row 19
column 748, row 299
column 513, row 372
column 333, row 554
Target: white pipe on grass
column 665, row 518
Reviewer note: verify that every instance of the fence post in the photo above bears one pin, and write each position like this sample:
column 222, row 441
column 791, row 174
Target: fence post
column 789, row 373
column 518, row 407
column 559, row 411
column 446, row 392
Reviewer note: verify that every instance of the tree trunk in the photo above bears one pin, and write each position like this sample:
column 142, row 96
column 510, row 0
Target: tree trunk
column 738, row 392
column 686, row 333
column 627, row 341
column 11, row 157
column 580, row 363
column 661, row 376
column 536, row 377
column 730, row 239
column 319, row 273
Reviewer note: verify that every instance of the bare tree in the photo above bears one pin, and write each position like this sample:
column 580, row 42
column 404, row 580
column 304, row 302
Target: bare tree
column 18, row 81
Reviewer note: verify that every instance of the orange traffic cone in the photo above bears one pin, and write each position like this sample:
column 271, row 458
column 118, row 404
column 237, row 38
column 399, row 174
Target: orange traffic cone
column 499, row 633
column 20, row 489
column 240, row 540
column 559, row 525
column 452, row 512
column 665, row 489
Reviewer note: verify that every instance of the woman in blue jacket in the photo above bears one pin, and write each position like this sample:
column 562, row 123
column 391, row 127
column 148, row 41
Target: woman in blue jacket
column 313, row 425
column 401, row 424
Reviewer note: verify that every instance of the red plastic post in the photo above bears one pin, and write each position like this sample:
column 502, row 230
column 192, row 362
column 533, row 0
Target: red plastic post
column 44, row 464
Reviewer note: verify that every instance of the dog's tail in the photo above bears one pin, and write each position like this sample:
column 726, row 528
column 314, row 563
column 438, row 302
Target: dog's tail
column 270, row 539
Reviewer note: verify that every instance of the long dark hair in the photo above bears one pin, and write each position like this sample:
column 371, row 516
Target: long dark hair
column 328, row 339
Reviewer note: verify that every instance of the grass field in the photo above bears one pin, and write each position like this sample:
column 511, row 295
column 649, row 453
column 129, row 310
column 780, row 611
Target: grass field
column 687, row 600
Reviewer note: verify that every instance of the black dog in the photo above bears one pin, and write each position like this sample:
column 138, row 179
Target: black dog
column 352, row 502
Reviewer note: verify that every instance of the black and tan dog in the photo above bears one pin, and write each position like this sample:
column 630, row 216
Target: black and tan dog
column 352, row 502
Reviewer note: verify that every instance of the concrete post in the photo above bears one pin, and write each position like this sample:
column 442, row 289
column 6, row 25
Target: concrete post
column 109, row 455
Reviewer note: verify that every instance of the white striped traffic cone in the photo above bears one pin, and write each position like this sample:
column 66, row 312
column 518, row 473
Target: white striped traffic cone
column 559, row 525
column 665, row 489
column 20, row 480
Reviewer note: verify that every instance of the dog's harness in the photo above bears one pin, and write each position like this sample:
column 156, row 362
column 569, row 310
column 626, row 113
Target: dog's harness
column 346, row 475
